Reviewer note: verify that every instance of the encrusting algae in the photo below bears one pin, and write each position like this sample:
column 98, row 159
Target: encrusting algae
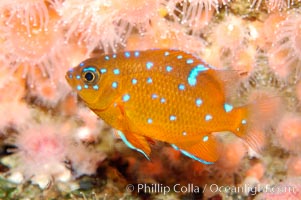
column 166, row 77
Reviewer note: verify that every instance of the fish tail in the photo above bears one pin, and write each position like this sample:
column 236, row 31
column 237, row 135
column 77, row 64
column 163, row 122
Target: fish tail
column 256, row 118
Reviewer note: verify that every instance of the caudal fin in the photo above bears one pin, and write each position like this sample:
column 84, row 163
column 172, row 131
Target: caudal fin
column 263, row 111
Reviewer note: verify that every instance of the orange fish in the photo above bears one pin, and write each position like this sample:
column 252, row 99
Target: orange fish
column 166, row 95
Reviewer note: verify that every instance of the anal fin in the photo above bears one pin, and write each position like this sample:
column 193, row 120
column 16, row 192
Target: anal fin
column 204, row 151
column 136, row 142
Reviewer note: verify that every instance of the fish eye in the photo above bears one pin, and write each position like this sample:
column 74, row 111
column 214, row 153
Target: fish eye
column 90, row 75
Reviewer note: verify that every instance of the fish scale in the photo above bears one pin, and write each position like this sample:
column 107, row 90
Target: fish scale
column 150, row 104
column 161, row 94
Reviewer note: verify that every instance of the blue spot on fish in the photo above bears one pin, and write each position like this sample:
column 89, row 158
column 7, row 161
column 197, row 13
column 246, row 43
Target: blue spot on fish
column 86, row 86
column 244, row 121
column 189, row 61
column 114, row 85
column 103, row 70
column 168, row 68
column 162, row 100
column 134, row 81
column 166, row 53
column 126, row 97
column 181, row 87
column 122, row 136
column 154, row 96
column 149, row 65
column 208, row 117
column 95, row 87
column 116, row 71
column 82, row 64
column 149, row 120
column 228, row 107
column 172, row 118
column 179, row 57
column 194, row 73
column 198, row 101
column 205, row 138
column 78, row 77
column 114, row 56
column 137, row 53
column 127, row 54
column 149, row 80
column 107, row 58
column 79, row 87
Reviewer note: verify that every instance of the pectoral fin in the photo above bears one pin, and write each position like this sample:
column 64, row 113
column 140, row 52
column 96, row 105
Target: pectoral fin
column 136, row 142
column 204, row 151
